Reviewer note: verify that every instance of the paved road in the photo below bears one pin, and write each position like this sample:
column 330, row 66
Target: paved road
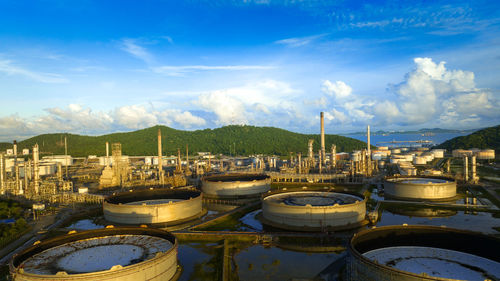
column 46, row 222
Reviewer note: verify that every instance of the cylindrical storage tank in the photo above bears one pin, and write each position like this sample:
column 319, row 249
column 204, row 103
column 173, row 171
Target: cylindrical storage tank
column 409, row 157
column 421, row 188
column 235, row 185
column 82, row 190
column 395, row 150
column 438, row 153
column 356, row 156
column 377, row 156
column 314, row 210
column 156, row 206
column 121, row 254
column 411, row 253
column 428, row 156
column 419, row 160
column 486, row 154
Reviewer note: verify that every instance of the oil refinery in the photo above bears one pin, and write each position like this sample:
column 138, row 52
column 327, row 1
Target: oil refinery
column 366, row 214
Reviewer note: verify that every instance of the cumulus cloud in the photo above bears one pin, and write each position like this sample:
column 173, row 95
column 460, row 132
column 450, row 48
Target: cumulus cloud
column 228, row 109
column 429, row 95
column 338, row 89
column 250, row 103
column 79, row 119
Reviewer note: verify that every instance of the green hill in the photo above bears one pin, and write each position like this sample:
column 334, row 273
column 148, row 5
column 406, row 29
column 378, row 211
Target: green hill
column 245, row 140
column 485, row 138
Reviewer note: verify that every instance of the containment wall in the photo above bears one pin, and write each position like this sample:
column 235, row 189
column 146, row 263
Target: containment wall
column 415, row 188
column 153, row 206
column 360, row 267
column 159, row 265
column 235, row 185
column 313, row 211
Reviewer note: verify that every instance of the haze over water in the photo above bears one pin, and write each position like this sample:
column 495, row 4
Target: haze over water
column 381, row 140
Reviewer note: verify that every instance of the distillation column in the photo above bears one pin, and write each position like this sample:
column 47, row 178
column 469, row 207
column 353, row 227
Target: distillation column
column 466, row 168
column 106, row 161
column 310, row 153
column 333, row 158
column 323, row 152
column 368, row 152
column 473, row 169
column 35, row 168
column 2, row 174
column 160, row 163
column 299, row 155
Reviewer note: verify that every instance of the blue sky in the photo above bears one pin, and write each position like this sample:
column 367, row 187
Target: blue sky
column 94, row 67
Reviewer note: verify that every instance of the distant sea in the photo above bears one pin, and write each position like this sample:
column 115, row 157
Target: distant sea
column 378, row 140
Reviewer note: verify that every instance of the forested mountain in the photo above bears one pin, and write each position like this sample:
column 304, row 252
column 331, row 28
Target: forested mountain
column 234, row 139
column 485, row 138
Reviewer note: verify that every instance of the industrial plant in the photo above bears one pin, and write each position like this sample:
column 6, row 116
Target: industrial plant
column 377, row 213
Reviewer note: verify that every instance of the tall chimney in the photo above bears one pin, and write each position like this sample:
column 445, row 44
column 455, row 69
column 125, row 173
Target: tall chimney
column 187, row 157
column 323, row 152
column 160, row 163
column 179, row 164
column 35, row 167
column 106, row 161
column 2, row 174
column 14, row 147
column 368, row 152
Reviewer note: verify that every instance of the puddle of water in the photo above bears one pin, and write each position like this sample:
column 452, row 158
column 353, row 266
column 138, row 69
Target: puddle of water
column 479, row 221
column 85, row 224
column 250, row 222
column 261, row 263
column 199, row 261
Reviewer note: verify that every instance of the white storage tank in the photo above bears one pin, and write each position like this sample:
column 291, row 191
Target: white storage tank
column 103, row 254
column 235, row 185
column 314, row 210
column 157, row 206
column 438, row 153
column 486, row 154
column 419, row 160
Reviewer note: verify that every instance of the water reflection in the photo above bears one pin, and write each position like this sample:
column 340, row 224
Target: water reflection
column 478, row 221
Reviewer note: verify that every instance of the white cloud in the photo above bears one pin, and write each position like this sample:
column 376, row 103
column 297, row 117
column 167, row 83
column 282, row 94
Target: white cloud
column 299, row 41
column 8, row 68
column 338, row 89
column 79, row 119
column 130, row 46
column 184, row 118
column 229, row 110
column 180, row 70
column 430, row 95
column 135, row 117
